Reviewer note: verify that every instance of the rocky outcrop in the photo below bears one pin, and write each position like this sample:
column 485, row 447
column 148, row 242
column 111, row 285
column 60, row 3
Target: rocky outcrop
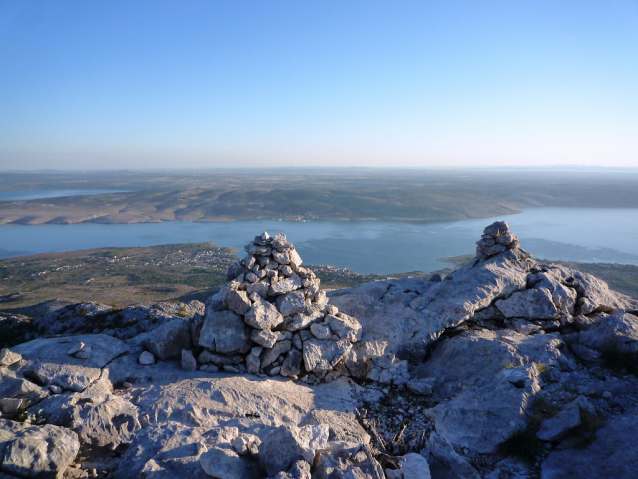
column 613, row 453
column 507, row 289
column 48, row 362
column 36, row 452
column 487, row 394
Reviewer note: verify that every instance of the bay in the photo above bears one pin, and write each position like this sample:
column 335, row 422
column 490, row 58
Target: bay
column 575, row 234
column 25, row 195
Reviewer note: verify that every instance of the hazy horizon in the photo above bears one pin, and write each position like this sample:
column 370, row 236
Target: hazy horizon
column 200, row 85
column 576, row 168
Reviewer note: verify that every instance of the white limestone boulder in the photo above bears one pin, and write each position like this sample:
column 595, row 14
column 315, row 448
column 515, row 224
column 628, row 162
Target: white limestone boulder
column 488, row 392
column 224, row 332
column 38, row 451
column 47, row 361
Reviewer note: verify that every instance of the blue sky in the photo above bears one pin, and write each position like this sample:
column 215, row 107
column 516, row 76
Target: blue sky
column 94, row 84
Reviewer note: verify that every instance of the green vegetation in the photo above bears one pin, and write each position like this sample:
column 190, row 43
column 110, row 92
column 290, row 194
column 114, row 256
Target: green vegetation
column 115, row 276
column 112, row 253
column 36, row 419
column 13, row 334
column 458, row 261
column 523, row 444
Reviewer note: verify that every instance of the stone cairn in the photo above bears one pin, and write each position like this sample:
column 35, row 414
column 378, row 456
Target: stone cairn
column 272, row 317
column 496, row 238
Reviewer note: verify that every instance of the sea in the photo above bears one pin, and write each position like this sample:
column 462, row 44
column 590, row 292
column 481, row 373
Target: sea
column 608, row 235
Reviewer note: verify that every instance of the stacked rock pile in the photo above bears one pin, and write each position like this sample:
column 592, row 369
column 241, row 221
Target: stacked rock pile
column 496, row 238
column 273, row 318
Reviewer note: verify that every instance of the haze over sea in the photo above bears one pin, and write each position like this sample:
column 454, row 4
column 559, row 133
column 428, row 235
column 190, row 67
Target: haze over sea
column 571, row 234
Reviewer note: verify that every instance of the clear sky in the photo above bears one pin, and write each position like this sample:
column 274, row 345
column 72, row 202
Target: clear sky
column 157, row 84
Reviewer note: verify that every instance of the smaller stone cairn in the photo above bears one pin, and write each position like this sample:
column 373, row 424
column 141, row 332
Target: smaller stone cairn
column 496, row 238
column 273, row 318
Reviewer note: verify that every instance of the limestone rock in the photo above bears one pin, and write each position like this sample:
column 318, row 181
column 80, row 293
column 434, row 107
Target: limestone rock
column 14, row 385
column 393, row 473
column 421, row 386
column 614, row 453
column 280, row 243
column 285, row 446
column 300, row 470
column 305, row 319
column 8, row 430
column 321, row 331
column 264, row 337
column 168, row 340
column 487, row 393
column 219, row 359
column 40, row 452
column 561, row 424
column 224, row 332
column 344, row 326
column 76, row 348
column 237, row 301
column 146, row 358
column 324, row 355
column 167, row 449
column 360, row 359
column 415, row 466
column 260, row 287
column 8, row 357
column 529, row 304
column 281, row 449
column 84, row 353
column 619, row 330
column 269, row 356
column 189, row 363
column 48, row 361
column 286, row 285
column 291, row 303
column 10, row 406
column 294, row 259
column 347, row 460
column 253, row 363
column 226, row 464
column 313, row 436
column 443, row 452
column 206, row 401
column 496, row 239
column 246, row 444
column 99, row 417
column 411, row 314
column 263, row 315
column 342, row 426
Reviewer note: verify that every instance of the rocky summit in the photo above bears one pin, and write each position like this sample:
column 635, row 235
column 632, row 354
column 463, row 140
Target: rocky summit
column 506, row 368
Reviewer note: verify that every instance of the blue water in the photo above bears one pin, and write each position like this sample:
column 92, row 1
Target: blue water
column 41, row 194
column 576, row 234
